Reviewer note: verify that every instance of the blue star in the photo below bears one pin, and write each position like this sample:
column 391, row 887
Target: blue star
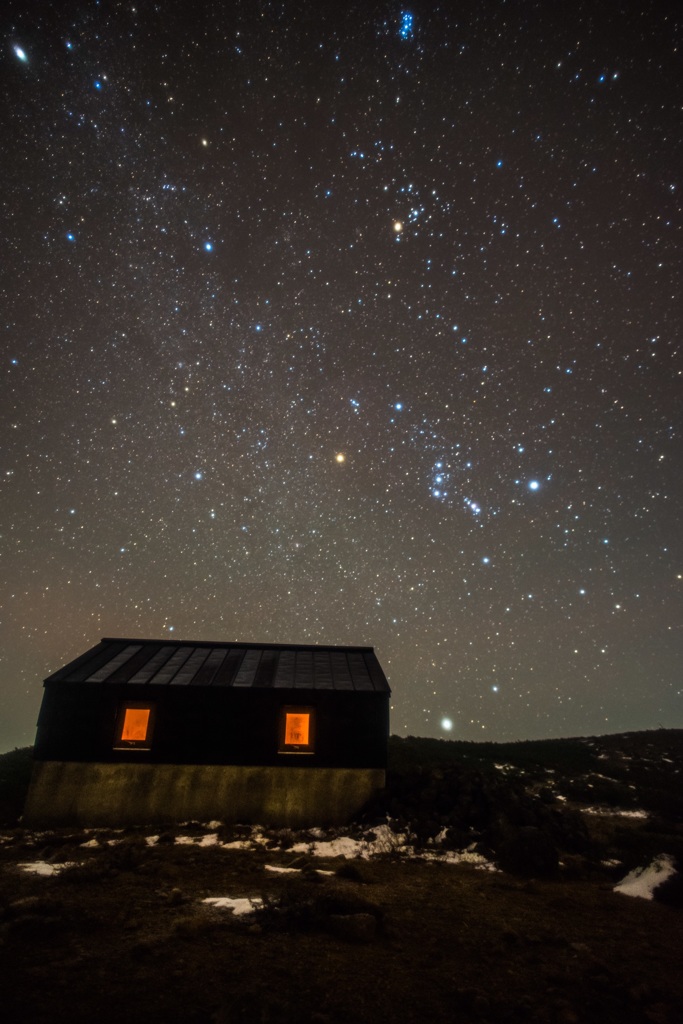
column 208, row 246
column 533, row 485
column 21, row 54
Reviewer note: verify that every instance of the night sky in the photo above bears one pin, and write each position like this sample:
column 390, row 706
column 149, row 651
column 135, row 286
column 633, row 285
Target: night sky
column 349, row 324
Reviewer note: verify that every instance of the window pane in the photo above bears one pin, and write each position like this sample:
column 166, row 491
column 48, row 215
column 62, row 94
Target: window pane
column 296, row 729
column 135, row 723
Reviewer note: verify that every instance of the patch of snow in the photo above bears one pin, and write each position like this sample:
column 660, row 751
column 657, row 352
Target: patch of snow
column 382, row 840
column 41, row 867
column 344, row 846
column 642, row 882
column 213, row 825
column 208, row 840
column 459, row 857
column 611, row 863
column 91, row 843
column 615, row 812
column 505, row 767
column 152, row 840
column 293, row 871
column 239, row 906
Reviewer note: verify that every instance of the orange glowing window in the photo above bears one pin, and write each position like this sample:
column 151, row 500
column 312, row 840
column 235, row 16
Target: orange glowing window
column 297, row 730
column 134, row 727
column 135, row 724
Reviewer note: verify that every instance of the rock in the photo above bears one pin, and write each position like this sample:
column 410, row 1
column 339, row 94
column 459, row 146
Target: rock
column 353, row 927
column 350, row 872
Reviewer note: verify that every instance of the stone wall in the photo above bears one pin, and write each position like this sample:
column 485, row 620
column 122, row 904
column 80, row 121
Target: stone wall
column 111, row 795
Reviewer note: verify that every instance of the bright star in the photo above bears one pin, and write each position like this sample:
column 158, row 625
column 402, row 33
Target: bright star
column 398, row 227
column 533, row 485
column 340, row 457
column 446, row 724
column 208, row 246
column 21, row 54
column 198, row 475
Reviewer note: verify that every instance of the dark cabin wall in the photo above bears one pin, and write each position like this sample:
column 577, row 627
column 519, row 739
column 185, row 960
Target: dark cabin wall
column 212, row 725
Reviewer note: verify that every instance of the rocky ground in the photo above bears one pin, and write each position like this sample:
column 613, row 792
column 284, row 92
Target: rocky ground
column 489, row 896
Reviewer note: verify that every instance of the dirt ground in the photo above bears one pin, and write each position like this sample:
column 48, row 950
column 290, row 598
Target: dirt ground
column 125, row 937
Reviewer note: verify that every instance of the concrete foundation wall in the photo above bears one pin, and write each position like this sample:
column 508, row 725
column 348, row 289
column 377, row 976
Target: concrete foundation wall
column 77, row 793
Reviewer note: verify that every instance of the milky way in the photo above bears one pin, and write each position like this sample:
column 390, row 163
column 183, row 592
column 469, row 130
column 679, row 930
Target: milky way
column 349, row 325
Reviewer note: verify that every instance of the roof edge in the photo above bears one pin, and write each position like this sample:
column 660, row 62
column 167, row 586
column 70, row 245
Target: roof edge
column 236, row 643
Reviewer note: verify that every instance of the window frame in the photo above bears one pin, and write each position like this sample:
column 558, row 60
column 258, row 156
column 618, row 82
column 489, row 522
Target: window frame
column 296, row 748
column 133, row 705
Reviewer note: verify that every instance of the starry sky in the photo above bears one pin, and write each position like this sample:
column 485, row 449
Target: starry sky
column 349, row 323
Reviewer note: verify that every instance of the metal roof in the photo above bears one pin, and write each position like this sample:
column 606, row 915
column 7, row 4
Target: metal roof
column 199, row 663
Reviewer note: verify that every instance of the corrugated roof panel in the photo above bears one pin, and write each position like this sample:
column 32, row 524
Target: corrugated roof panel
column 175, row 662
column 247, row 672
column 303, row 674
column 340, row 671
column 266, row 669
column 206, row 673
column 230, row 667
column 145, row 674
column 73, row 667
column 109, row 668
column 126, row 672
column 90, row 665
column 185, row 675
column 322, row 670
column 359, row 673
column 284, row 674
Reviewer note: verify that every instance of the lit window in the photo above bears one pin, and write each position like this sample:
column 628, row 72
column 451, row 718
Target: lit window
column 134, row 727
column 296, row 731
